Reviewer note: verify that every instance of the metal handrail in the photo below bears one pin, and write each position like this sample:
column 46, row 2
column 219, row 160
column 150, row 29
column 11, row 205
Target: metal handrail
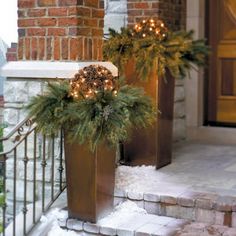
column 17, row 128
column 19, row 137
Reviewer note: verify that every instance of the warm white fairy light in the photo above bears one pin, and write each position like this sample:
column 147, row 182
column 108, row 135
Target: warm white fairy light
column 150, row 27
column 91, row 80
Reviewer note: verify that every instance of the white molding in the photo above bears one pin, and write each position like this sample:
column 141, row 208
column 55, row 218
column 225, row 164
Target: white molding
column 18, row 70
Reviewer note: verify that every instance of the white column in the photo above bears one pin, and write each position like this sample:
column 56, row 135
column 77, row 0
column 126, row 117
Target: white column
column 194, row 85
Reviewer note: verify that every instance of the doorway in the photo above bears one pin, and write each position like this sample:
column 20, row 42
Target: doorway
column 221, row 30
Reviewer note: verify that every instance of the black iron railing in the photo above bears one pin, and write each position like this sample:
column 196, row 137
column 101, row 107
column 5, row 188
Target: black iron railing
column 32, row 167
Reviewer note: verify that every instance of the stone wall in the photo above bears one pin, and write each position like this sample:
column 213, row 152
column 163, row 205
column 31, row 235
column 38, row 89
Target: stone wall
column 115, row 14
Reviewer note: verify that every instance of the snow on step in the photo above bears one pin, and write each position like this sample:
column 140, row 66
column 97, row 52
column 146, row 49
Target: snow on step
column 127, row 219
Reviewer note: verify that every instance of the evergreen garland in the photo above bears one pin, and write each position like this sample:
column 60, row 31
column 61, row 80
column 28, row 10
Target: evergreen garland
column 104, row 117
column 176, row 51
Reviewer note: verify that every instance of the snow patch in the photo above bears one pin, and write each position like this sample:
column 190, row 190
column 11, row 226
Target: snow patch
column 139, row 179
column 57, row 231
column 121, row 214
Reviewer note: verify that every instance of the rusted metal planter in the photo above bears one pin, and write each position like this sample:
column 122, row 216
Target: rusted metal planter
column 153, row 145
column 90, row 181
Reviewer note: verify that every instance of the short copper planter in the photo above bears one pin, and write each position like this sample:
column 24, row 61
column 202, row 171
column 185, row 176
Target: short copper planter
column 153, row 145
column 90, row 181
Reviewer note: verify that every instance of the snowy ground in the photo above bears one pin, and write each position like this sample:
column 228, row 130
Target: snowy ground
column 122, row 213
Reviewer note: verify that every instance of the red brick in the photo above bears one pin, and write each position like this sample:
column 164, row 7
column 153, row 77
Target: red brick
column 21, row 13
column 10, row 57
column 64, row 48
column 36, row 32
column 26, row 22
column 101, row 4
column 83, row 11
column 49, row 48
column 151, row 12
column 131, row 19
column 134, row 12
column 21, row 32
column 79, row 31
column 34, row 49
column 97, row 13
column 95, row 49
column 90, row 49
column 97, row 32
column 85, row 46
column 47, row 21
column 99, row 49
column 57, row 49
column 46, row 3
column 61, row 11
column 91, row 22
column 26, row 3
column 91, row 3
column 41, row 48
column 11, row 50
column 27, row 48
column 72, row 11
column 36, row 12
column 69, row 21
column 79, row 11
column 56, row 31
column 130, row 5
column 74, row 49
column 141, row 5
column 68, row 2
column 101, row 23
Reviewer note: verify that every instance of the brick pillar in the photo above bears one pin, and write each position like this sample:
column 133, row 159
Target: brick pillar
column 67, row 30
column 11, row 54
column 172, row 12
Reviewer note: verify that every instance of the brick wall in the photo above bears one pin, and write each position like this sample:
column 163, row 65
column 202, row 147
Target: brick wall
column 65, row 30
column 172, row 12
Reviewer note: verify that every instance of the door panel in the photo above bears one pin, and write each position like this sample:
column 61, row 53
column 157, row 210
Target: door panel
column 222, row 75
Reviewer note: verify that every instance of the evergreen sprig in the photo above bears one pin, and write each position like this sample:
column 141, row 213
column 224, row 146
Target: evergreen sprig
column 104, row 117
column 177, row 52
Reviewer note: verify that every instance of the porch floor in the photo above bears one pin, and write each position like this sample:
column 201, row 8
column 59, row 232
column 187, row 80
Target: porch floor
column 195, row 167
column 204, row 167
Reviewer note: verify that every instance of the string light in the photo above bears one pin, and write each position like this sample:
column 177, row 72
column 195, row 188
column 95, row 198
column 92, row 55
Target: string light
column 91, row 80
column 150, row 27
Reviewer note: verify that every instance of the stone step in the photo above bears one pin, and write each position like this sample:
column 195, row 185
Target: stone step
column 132, row 224
column 208, row 208
column 139, row 224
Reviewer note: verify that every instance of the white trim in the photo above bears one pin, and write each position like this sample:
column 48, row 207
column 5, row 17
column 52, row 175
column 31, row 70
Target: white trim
column 48, row 69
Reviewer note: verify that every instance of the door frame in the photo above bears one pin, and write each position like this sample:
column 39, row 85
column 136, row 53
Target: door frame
column 195, row 86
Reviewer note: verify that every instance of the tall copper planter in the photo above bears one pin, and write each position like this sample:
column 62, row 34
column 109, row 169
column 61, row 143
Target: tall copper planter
column 90, row 181
column 153, row 145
